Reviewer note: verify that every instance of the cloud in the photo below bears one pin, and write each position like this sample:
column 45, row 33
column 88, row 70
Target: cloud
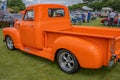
column 64, row 2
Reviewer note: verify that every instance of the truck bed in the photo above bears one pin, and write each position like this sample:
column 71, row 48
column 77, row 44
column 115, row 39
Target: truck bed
column 90, row 31
column 113, row 32
column 97, row 35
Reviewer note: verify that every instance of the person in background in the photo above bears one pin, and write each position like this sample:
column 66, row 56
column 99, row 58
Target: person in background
column 83, row 17
column 74, row 19
column 95, row 17
column 89, row 16
column 86, row 15
column 79, row 18
column 118, row 24
column 108, row 14
column 112, row 16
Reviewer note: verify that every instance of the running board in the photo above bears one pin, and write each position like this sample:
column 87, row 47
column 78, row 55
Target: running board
column 45, row 53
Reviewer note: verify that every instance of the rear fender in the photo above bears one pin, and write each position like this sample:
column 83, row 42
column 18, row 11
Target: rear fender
column 87, row 53
column 14, row 34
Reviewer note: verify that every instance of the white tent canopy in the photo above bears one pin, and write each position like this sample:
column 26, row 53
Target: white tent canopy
column 87, row 8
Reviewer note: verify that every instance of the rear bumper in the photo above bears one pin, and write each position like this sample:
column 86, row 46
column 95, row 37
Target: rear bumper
column 114, row 58
column 112, row 61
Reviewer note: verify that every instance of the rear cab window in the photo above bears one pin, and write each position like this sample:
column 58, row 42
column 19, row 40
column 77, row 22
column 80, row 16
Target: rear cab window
column 56, row 12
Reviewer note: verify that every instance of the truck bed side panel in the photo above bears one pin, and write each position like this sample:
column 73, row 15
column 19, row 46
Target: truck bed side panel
column 90, row 51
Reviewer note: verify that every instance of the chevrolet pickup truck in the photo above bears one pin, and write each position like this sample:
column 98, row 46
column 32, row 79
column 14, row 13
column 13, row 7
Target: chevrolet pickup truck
column 46, row 31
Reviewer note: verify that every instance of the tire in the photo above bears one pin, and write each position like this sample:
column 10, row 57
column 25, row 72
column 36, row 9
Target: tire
column 67, row 62
column 9, row 43
column 106, row 23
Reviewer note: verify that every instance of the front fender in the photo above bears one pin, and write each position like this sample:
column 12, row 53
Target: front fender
column 87, row 53
column 14, row 34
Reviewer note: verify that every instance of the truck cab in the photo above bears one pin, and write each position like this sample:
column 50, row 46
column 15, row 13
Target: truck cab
column 37, row 18
column 46, row 31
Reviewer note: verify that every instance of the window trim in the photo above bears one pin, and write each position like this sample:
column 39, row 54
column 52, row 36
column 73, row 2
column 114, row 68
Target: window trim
column 26, row 12
column 56, row 16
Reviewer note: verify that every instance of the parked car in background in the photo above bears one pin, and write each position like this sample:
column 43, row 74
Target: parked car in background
column 2, row 13
column 18, row 16
column 105, row 21
column 9, row 19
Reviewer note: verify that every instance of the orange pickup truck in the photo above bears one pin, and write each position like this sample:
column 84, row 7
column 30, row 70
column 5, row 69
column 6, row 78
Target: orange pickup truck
column 46, row 31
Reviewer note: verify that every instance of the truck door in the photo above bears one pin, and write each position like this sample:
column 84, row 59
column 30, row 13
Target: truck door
column 27, row 29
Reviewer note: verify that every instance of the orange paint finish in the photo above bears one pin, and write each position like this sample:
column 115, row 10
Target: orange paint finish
column 12, row 32
column 85, row 54
column 44, row 36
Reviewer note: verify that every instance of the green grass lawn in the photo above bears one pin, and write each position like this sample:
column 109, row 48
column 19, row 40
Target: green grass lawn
column 94, row 23
column 18, row 65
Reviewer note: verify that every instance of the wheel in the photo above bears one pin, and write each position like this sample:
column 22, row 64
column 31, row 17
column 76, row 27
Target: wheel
column 67, row 62
column 9, row 43
column 106, row 23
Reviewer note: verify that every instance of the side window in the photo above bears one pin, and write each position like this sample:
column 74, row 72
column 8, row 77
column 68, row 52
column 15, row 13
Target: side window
column 56, row 12
column 29, row 15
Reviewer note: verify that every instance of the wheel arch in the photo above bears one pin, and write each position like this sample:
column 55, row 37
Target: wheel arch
column 81, row 49
column 14, row 34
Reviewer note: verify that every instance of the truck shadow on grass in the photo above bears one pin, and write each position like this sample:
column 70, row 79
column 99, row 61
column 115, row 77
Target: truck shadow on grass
column 33, row 57
column 104, row 73
column 82, row 71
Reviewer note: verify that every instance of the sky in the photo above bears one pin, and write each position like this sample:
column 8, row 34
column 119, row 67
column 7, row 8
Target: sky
column 64, row 2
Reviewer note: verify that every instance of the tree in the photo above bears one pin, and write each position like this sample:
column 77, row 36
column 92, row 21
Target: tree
column 115, row 5
column 99, row 4
column 76, row 6
column 16, row 5
column 96, row 5
column 91, row 1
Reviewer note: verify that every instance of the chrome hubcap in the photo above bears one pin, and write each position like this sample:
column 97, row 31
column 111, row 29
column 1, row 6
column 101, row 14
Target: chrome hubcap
column 66, row 61
column 9, row 43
